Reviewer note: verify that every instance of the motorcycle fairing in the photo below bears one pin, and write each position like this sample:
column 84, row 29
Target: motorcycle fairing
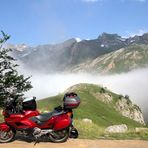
column 62, row 122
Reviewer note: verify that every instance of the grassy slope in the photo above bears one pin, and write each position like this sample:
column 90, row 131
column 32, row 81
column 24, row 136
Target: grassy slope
column 101, row 114
column 137, row 58
column 132, row 57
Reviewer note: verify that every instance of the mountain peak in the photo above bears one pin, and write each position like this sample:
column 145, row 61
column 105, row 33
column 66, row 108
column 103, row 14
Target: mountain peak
column 109, row 36
column 111, row 40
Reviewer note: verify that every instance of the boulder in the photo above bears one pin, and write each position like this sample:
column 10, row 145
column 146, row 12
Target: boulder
column 141, row 129
column 86, row 120
column 116, row 129
column 45, row 111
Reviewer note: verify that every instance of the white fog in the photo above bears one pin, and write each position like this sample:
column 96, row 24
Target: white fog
column 134, row 84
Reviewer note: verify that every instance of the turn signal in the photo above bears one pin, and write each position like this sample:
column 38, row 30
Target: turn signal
column 69, row 114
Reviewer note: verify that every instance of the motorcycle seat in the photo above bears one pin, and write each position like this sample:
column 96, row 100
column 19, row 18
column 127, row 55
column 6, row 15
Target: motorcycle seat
column 46, row 116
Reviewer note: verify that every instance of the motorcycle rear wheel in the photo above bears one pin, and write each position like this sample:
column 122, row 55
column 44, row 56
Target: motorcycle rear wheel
column 59, row 136
column 6, row 137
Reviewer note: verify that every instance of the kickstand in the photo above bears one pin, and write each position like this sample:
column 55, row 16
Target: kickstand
column 36, row 141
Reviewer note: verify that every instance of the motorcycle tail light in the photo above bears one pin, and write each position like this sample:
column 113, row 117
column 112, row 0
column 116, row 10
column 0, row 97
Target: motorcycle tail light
column 69, row 114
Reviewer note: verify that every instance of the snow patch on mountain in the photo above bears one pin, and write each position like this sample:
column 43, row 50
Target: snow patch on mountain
column 19, row 47
column 78, row 40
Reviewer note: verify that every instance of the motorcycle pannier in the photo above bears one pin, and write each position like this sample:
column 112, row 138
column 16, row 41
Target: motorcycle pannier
column 29, row 104
column 71, row 100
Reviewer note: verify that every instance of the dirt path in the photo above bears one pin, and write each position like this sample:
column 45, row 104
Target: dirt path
column 80, row 143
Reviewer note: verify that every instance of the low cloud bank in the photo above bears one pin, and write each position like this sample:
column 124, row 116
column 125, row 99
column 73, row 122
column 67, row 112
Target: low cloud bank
column 133, row 84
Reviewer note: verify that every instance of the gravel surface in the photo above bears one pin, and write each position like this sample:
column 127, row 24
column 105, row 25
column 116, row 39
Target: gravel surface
column 79, row 143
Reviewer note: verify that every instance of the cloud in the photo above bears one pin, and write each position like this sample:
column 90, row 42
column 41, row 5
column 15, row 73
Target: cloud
column 141, row 1
column 132, row 34
column 90, row 1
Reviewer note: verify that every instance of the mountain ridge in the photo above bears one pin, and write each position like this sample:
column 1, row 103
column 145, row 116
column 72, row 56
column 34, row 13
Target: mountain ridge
column 123, row 60
column 64, row 56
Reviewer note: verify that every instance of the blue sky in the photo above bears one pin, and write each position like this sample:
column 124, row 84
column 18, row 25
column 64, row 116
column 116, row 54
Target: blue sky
column 37, row 22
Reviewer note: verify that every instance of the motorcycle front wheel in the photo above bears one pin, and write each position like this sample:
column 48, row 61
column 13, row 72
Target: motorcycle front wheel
column 59, row 136
column 6, row 136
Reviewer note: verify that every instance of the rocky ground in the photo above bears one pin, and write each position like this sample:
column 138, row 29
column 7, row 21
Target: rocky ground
column 80, row 143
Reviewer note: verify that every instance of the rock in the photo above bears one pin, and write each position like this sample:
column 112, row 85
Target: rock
column 86, row 120
column 104, row 97
column 138, row 116
column 140, row 129
column 45, row 111
column 128, row 109
column 116, row 129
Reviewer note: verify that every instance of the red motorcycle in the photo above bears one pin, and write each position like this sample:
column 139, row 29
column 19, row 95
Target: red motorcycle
column 56, row 125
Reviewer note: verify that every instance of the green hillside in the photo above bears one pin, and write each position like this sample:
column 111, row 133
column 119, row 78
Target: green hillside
column 123, row 60
column 101, row 113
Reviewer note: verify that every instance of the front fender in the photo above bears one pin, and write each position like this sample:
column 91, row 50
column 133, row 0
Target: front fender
column 4, row 127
